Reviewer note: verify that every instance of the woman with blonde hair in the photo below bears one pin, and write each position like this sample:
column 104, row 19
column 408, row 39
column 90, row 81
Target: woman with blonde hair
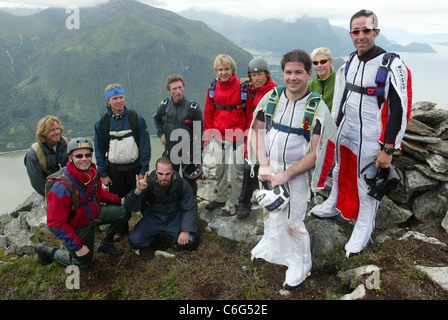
column 323, row 83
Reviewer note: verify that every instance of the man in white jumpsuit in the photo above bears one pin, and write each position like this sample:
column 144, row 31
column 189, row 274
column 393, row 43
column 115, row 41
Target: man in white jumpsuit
column 372, row 120
column 285, row 158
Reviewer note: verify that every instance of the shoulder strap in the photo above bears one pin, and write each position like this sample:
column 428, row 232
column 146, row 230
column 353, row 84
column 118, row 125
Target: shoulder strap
column 211, row 88
column 40, row 155
column 271, row 108
column 60, row 176
column 244, row 90
column 312, row 105
column 105, row 126
column 348, row 62
column 133, row 122
column 105, row 129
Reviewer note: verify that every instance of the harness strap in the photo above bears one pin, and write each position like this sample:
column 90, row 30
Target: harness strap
column 114, row 137
column 288, row 129
column 312, row 105
column 380, row 78
column 229, row 108
column 370, row 91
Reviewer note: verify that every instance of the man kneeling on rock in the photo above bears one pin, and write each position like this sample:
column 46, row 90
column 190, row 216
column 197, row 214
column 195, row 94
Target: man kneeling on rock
column 168, row 205
column 76, row 203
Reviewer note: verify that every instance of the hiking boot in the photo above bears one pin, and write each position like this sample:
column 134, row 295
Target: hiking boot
column 242, row 213
column 108, row 247
column 44, row 254
column 214, row 204
column 118, row 236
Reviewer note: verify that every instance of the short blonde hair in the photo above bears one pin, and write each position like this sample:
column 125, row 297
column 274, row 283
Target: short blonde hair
column 111, row 86
column 321, row 50
column 44, row 127
column 324, row 51
column 225, row 60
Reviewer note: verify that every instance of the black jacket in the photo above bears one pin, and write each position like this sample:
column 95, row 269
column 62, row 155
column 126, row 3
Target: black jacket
column 169, row 209
column 171, row 116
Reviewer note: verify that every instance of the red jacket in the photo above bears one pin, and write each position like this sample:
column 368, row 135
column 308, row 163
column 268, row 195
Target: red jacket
column 255, row 96
column 60, row 202
column 226, row 94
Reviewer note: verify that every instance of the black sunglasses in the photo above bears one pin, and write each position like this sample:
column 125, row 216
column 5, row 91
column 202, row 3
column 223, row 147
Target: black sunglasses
column 80, row 156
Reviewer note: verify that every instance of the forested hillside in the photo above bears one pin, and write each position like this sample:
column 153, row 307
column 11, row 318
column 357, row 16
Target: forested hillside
column 46, row 68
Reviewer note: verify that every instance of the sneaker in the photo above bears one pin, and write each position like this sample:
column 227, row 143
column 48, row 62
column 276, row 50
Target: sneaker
column 214, row 204
column 291, row 288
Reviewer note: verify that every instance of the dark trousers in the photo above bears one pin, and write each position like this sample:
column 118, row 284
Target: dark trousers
column 193, row 184
column 249, row 186
column 123, row 181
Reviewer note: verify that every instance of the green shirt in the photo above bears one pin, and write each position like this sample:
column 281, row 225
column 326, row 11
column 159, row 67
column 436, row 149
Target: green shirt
column 325, row 87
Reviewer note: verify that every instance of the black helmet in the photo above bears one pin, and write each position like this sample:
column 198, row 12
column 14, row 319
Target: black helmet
column 79, row 143
column 257, row 65
column 193, row 242
column 192, row 172
column 384, row 181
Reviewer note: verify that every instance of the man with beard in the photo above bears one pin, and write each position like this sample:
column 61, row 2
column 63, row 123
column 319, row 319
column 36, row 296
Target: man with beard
column 168, row 205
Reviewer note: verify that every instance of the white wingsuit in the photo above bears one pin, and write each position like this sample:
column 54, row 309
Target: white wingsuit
column 359, row 139
column 286, row 240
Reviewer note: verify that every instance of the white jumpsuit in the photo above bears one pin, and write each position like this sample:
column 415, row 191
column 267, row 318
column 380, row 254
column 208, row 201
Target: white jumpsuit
column 358, row 142
column 286, row 240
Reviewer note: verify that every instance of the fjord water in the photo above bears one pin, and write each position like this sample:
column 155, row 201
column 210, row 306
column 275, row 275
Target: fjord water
column 15, row 186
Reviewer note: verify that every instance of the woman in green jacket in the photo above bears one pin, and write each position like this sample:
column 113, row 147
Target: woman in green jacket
column 323, row 83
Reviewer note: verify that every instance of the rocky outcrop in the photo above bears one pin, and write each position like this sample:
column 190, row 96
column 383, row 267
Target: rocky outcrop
column 422, row 193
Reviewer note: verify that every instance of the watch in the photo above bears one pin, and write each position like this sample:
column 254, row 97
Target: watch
column 389, row 151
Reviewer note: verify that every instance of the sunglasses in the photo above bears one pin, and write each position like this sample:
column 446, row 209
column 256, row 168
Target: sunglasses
column 161, row 173
column 364, row 31
column 321, row 62
column 80, row 156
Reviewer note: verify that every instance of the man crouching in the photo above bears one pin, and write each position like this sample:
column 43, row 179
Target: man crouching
column 168, row 205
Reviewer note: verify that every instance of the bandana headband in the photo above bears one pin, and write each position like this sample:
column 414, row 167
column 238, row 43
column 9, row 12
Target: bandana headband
column 114, row 92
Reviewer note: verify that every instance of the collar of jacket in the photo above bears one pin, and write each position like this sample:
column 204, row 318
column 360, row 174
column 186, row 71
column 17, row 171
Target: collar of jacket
column 266, row 88
column 109, row 111
column 332, row 75
column 83, row 177
column 227, row 84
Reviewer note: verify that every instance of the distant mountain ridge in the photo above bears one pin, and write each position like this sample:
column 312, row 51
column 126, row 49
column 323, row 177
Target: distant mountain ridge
column 46, row 68
column 279, row 37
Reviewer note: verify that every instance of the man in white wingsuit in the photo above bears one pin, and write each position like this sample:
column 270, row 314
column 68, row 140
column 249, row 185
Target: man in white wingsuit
column 288, row 141
column 371, row 114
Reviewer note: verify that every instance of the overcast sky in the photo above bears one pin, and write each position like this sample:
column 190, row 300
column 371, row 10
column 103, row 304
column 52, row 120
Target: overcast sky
column 415, row 16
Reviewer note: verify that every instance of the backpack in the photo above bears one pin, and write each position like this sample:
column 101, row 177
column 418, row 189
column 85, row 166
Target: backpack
column 150, row 190
column 308, row 120
column 60, row 176
column 41, row 154
column 105, row 127
column 244, row 90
